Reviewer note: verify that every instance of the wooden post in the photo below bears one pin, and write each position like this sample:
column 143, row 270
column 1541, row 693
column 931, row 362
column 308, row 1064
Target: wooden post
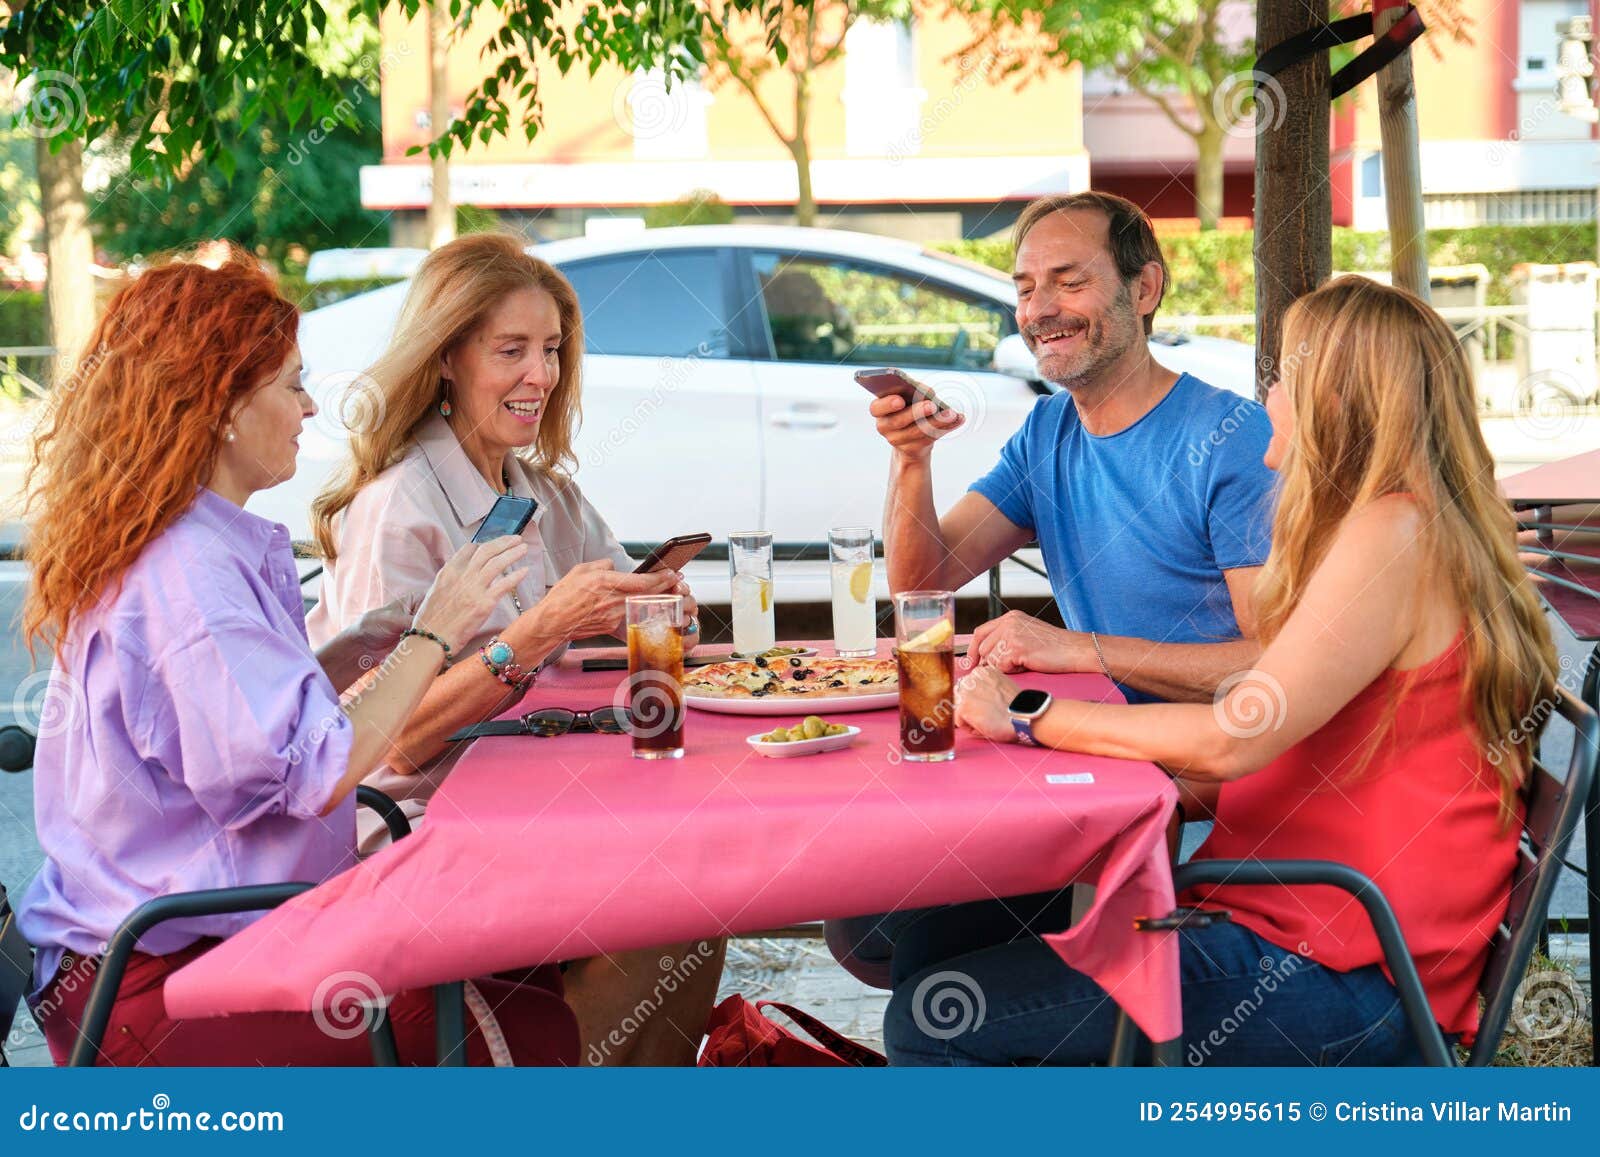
column 441, row 213
column 1402, row 160
column 1293, row 196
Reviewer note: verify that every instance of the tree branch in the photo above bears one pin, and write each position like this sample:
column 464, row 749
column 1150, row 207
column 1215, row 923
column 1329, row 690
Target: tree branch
column 1156, row 97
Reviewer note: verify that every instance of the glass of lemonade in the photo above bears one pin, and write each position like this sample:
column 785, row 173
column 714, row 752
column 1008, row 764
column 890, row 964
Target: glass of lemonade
column 855, row 620
column 655, row 675
column 750, row 569
column 925, row 632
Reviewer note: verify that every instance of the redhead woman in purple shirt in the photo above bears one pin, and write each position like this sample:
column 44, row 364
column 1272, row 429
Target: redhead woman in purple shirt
column 195, row 740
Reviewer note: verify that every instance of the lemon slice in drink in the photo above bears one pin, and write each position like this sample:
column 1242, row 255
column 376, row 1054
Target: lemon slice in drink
column 861, row 581
column 932, row 638
column 766, row 595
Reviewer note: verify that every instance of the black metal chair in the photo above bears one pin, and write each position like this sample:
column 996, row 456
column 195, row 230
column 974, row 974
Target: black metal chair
column 1554, row 809
column 16, row 956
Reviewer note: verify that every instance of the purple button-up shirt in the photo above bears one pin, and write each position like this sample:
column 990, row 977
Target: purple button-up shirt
column 189, row 740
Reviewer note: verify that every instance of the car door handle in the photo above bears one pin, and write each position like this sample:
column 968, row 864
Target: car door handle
column 805, row 418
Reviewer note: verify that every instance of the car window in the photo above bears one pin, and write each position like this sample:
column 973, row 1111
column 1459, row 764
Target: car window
column 662, row 304
column 829, row 310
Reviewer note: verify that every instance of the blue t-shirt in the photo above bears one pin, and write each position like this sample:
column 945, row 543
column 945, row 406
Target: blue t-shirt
column 1137, row 527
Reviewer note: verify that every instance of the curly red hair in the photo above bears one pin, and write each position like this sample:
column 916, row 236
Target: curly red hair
column 134, row 430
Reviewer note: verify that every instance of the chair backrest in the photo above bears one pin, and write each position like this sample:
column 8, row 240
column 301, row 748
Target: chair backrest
column 16, row 970
column 1555, row 807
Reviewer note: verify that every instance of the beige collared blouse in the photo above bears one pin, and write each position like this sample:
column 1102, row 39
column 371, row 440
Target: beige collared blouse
column 407, row 523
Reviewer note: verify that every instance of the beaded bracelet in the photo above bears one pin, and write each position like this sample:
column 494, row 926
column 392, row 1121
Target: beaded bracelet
column 418, row 632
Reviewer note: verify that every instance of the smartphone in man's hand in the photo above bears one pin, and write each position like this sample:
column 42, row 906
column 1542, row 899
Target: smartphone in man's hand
column 882, row 383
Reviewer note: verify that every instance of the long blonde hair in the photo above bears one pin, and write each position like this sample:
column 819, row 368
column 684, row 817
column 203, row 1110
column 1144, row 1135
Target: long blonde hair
column 1384, row 404
column 455, row 288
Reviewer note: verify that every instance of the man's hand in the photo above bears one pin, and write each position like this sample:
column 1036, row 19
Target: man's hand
column 1019, row 642
column 913, row 430
column 983, row 700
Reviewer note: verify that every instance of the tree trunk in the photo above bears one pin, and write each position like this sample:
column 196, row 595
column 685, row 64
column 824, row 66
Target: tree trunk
column 1293, row 197
column 1208, row 175
column 69, row 249
column 805, row 205
column 441, row 213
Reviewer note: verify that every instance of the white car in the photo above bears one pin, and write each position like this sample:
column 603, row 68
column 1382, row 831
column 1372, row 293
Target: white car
column 718, row 390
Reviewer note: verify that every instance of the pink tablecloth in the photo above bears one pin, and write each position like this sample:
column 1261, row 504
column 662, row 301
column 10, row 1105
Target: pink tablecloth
column 552, row 849
column 1575, row 479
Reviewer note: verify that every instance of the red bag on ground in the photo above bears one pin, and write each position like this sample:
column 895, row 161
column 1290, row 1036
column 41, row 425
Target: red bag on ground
column 737, row 1035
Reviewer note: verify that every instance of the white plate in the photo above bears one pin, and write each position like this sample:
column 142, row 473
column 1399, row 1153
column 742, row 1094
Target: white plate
column 801, row 707
column 802, row 653
column 802, row 746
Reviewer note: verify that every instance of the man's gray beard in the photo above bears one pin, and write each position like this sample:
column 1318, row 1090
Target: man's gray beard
column 1092, row 368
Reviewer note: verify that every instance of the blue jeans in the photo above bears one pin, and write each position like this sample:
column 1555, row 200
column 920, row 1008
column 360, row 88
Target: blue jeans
column 1245, row 1002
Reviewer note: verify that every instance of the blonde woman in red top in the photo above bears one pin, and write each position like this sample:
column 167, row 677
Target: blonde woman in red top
column 1386, row 725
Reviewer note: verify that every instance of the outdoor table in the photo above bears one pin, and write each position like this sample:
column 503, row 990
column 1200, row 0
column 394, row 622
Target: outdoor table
column 546, row 849
column 1563, row 499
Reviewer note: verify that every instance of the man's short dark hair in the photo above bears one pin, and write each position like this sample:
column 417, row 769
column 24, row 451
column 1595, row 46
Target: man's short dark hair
column 1133, row 239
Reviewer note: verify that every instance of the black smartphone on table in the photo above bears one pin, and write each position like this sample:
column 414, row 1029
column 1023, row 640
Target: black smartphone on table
column 882, row 383
column 674, row 554
column 509, row 515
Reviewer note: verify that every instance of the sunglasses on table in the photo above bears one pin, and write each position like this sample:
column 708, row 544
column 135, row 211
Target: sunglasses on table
column 551, row 721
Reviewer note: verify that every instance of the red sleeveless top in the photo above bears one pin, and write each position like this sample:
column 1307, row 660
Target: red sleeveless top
column 1422, row 820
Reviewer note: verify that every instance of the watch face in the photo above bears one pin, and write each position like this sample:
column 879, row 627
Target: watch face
column 1029, row 702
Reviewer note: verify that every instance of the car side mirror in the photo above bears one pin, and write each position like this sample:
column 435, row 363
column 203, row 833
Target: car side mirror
column 1013, row 358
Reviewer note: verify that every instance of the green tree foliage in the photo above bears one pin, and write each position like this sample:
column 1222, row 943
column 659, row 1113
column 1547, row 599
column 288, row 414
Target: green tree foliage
column 286, row 189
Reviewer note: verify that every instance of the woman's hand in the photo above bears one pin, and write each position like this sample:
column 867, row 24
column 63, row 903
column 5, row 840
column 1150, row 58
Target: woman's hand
column 983, row 700
column 468, row 587
column 591, row 599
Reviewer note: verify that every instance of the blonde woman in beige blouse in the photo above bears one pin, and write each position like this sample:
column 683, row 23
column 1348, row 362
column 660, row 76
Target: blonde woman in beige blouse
column 476, row 396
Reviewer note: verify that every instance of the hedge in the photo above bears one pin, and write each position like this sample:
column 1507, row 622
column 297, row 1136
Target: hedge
column 22, row 318
column 1214, row 273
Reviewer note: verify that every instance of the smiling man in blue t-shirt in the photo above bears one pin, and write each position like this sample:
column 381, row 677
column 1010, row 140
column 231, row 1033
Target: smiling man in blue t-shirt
column 1147, row 494
column 1145, row 489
